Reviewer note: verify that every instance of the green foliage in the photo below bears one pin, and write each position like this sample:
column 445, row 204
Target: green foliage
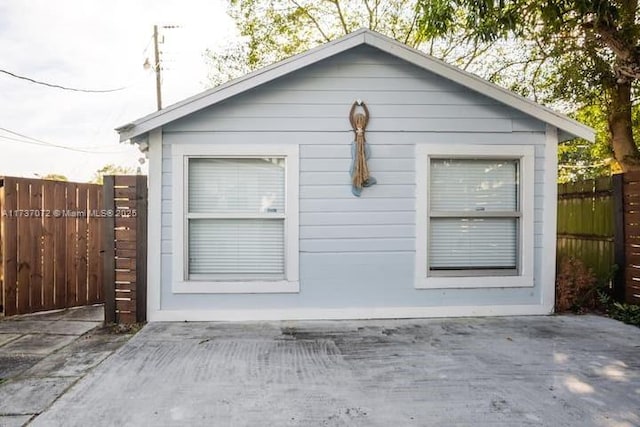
column 580, row 51
column 272, row 30
column 560, row 53
column 561, row 35
column 579, row 159
column 626, row 313
column 111, row 169
column 54, row 177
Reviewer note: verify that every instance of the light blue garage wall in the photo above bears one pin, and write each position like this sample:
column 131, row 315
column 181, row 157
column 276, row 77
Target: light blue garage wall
column 354, row 252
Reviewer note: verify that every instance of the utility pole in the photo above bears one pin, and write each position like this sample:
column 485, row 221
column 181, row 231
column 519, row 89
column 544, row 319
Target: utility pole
column 157, row 67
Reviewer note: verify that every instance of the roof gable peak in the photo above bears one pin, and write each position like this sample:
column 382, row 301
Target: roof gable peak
column 359, row 37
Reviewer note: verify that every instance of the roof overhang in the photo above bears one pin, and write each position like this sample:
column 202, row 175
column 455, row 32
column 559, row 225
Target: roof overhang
column 568, row 127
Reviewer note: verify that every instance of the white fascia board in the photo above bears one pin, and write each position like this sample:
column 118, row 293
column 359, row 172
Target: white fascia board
column 239, row 85
column 479, row 85
column 360, row 37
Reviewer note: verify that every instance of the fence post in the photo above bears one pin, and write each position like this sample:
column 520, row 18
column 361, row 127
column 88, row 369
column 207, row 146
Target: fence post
column 141, row 248
column 619, row 237
column 108, row 251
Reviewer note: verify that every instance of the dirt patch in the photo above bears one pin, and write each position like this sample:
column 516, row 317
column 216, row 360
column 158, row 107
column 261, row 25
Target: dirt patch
column 126, row 329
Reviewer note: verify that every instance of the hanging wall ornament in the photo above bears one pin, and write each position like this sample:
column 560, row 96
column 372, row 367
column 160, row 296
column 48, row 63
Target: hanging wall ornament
column 360, row 177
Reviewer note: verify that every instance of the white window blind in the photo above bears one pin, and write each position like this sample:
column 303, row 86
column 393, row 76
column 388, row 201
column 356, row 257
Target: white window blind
column 236, row 246
column 236, row 185
column 474, row 214
column 236, row 215
column 474, row 185
column 473, row 243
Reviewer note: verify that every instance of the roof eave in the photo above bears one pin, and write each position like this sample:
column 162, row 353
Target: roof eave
column 385, row 44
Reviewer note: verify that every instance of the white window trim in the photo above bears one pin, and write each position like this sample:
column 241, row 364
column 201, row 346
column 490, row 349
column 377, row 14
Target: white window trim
column 526, row 155
column 180, row 154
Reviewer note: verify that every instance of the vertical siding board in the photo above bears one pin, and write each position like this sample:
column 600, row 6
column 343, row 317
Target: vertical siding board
column 9, row 243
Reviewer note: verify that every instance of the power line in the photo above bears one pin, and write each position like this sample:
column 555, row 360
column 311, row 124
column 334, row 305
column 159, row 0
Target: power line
column 58, row 86
column 39, row 142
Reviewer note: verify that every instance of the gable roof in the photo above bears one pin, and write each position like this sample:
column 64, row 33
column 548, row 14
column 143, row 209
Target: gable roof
column 357, row 38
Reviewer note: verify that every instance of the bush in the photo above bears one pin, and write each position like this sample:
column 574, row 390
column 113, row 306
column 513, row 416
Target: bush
column 626, row 313
column 576, row 286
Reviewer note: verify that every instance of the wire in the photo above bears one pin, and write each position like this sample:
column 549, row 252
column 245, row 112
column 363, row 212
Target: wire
column 58, row 86
column 39, row 142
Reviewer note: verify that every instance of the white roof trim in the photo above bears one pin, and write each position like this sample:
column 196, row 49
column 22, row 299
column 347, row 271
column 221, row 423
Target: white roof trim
column 360, row 37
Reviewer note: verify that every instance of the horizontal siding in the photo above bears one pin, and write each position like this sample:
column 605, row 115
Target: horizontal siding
column 355, row 251
column 343, row 151
column 356, row 245
column 201, row 123
column 357, row 205
column 341, row 165
column 340, row 111
column 329, row 266
column 344, row 191
column 333, row 178
column 341, row 82
column 374, row 139
column 356, row 218
column 356, row 231
column 373, row 97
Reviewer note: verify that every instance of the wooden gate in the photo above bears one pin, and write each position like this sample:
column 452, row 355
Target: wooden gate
column 125, row 248
column 50, row 242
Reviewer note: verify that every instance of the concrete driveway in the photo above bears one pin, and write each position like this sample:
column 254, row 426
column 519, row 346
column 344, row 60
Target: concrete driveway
column 551, row 371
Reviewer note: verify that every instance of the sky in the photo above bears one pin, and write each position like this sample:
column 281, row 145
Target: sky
column 96, row 45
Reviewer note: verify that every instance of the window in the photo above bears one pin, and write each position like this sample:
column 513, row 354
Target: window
column 237, row 220
column 473, row 215
column 474, row 225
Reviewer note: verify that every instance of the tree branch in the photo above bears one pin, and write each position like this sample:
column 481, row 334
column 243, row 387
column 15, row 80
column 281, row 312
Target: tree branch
column 315, row 22
column 609, row 37
column 370, row 12
column 340, row 15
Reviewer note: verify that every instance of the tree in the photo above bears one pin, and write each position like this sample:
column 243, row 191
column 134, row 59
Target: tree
column 272, row 30
column 53, row 177
column 591, row 46
column 111, row 169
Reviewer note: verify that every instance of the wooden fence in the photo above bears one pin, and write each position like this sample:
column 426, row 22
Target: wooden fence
column 125, row 237
column 630, row 227
column 586, row 223
column 50, row 242
column 599, row 223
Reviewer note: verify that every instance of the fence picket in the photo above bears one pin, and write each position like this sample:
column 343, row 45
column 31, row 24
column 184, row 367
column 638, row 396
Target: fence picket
column 48, row 251
column 9, row 232
column 82, row 247
column 24, row 244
